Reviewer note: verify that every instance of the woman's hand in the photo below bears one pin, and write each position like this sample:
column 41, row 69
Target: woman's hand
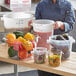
column 59, row 24
column 29, row 23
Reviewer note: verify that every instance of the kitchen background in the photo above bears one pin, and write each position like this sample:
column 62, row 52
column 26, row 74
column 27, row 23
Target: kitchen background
column 4, row 9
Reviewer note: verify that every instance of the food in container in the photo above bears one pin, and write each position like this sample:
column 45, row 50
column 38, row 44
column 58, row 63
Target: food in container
column 43, row 28
column 19, row 46
column 54, row 59
column 42, row 39
column 10, row 37
column 11, row 52
column 40, row 55
column 63, row 43
column 29, row 36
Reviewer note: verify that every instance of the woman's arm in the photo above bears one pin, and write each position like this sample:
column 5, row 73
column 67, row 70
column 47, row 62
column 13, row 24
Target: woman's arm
column 69, row 18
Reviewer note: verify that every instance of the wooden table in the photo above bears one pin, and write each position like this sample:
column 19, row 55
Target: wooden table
column 67, row 68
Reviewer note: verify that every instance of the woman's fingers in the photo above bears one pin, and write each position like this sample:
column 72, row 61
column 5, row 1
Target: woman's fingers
column 55, row 25
column 29, row 23
column 60, row 24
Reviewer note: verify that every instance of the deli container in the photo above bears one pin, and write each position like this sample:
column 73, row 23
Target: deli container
column 65, row 45
column 54, row 59
column 16, row 20
column 44, row 29
column 40, row 55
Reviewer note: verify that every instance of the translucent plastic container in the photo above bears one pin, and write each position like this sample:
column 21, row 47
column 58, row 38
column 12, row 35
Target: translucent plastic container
column 40, row 55
column 43, row 28
column 17, row 20
column 54, row 59
column 64, row 45
column 19, row 50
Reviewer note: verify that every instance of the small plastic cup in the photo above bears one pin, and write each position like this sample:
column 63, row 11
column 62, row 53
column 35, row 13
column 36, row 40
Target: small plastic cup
column 40, row 55
column 54, row 58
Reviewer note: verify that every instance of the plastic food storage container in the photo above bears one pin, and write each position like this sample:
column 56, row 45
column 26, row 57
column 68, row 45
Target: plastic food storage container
column 16, row 20
column 20, row 50
column 54, row 59
column 40, row 55
column 44, row 29
column 64, row 45
column 21, row 43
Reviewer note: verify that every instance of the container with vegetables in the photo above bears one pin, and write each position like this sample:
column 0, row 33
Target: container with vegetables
column 62, row 42
column 20, row 45
column 40, row 55
column 54, row 59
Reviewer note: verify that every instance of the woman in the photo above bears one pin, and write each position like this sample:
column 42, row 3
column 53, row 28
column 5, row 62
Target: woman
column 61, row 12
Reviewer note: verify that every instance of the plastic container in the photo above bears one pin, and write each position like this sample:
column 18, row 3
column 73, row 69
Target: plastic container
column 64, row 45
column 19, row 50
column 40, row 55
column 54, row 59
column 16, row 20
column 43, row 28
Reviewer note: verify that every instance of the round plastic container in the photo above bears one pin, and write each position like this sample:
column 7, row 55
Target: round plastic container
column 54, row 59
column 19, row 50
column 64, row 45
column 40, row 55
column 43, row 28
column 16, row 20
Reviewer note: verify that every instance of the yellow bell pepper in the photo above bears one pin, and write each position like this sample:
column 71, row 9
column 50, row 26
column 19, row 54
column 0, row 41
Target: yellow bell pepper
column 10, row 37
column 28, row 46
column 29, row 36
column 21, row 39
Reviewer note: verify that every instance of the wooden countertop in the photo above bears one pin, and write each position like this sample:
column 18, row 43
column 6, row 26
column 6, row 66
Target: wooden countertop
column 67, row 68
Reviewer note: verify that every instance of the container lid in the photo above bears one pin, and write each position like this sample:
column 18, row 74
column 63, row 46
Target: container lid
column 18, row 15
column 40, row 50
column 43, row 21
